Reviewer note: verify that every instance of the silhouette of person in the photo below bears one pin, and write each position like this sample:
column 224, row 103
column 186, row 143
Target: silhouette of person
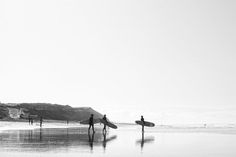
column 31, row 121
column 91, row 123
column 142, row 120
column 105, row 119
column 41, row 121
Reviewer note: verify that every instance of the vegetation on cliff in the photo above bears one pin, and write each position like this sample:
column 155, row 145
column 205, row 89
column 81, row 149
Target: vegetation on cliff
column 46, row 110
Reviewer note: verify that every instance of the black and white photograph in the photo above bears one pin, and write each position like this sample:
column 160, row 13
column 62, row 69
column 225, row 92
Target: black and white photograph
column 117, row 78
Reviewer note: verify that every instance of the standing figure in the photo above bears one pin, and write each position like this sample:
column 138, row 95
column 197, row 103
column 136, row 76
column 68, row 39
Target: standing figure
column 32, row 121
column 142, row 120
column 41, row 121
column 29, row 119
column 105, row 119
column 91, row 123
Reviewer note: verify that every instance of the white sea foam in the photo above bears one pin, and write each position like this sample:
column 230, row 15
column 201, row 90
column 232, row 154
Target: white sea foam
column 210, row 128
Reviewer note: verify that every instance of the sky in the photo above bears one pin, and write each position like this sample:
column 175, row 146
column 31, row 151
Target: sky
column 172, row 61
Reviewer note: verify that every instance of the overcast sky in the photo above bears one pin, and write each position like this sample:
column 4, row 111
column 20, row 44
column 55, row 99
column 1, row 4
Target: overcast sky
column 173, row 61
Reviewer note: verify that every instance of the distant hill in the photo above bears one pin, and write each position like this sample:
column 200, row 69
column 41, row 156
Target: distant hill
column 47, row 111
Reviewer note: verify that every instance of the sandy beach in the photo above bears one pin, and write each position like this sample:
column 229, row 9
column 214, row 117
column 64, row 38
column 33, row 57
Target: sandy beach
column 59, row 139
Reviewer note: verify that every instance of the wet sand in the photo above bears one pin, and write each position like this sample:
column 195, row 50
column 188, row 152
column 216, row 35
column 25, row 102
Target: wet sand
column 127, row 140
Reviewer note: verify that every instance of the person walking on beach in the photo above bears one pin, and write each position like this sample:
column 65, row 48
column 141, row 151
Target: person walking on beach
column 142, row 120
column 41, row 121
column 91, row 123
column 105, row 119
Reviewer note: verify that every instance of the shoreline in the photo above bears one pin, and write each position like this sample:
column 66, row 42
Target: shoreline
column 55, row 124
column 24, row 125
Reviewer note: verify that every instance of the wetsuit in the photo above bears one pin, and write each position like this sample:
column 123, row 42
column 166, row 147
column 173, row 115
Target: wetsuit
column 105, row 119
column 142, row 119
column 91, row 124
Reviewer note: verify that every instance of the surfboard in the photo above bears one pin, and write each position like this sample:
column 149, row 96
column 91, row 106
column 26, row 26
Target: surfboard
column 146, row 123
column 111, row 125
column 87, row 121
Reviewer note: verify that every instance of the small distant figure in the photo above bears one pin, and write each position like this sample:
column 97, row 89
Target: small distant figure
column 67, row 121
column 41, row 121
column 105, row 119
column 142, row 119
column 31, row 121
column 91, row 123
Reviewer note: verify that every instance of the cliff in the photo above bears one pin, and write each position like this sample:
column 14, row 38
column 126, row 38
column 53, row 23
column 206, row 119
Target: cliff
column 13, row 111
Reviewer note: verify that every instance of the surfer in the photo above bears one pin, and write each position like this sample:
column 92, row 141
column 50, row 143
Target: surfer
column 91, row 123
column 142, row 120
column 105, row 119
column 41, row 121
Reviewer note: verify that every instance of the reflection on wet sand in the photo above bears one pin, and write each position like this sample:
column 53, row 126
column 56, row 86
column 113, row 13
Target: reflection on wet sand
column 143, row 140
column 105, row 139
column 45, row 139
column 91, row 139
column 75, row 142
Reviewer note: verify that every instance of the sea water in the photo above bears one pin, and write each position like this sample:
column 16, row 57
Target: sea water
column 73, row 140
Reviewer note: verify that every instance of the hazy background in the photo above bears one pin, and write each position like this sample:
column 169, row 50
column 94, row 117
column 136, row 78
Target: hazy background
column 171, row 61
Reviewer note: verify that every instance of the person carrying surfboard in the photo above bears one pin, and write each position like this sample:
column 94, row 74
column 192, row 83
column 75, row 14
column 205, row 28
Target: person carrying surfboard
column 142, row 120
column 144, row 123
column 91, row 123
column 105, row 119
